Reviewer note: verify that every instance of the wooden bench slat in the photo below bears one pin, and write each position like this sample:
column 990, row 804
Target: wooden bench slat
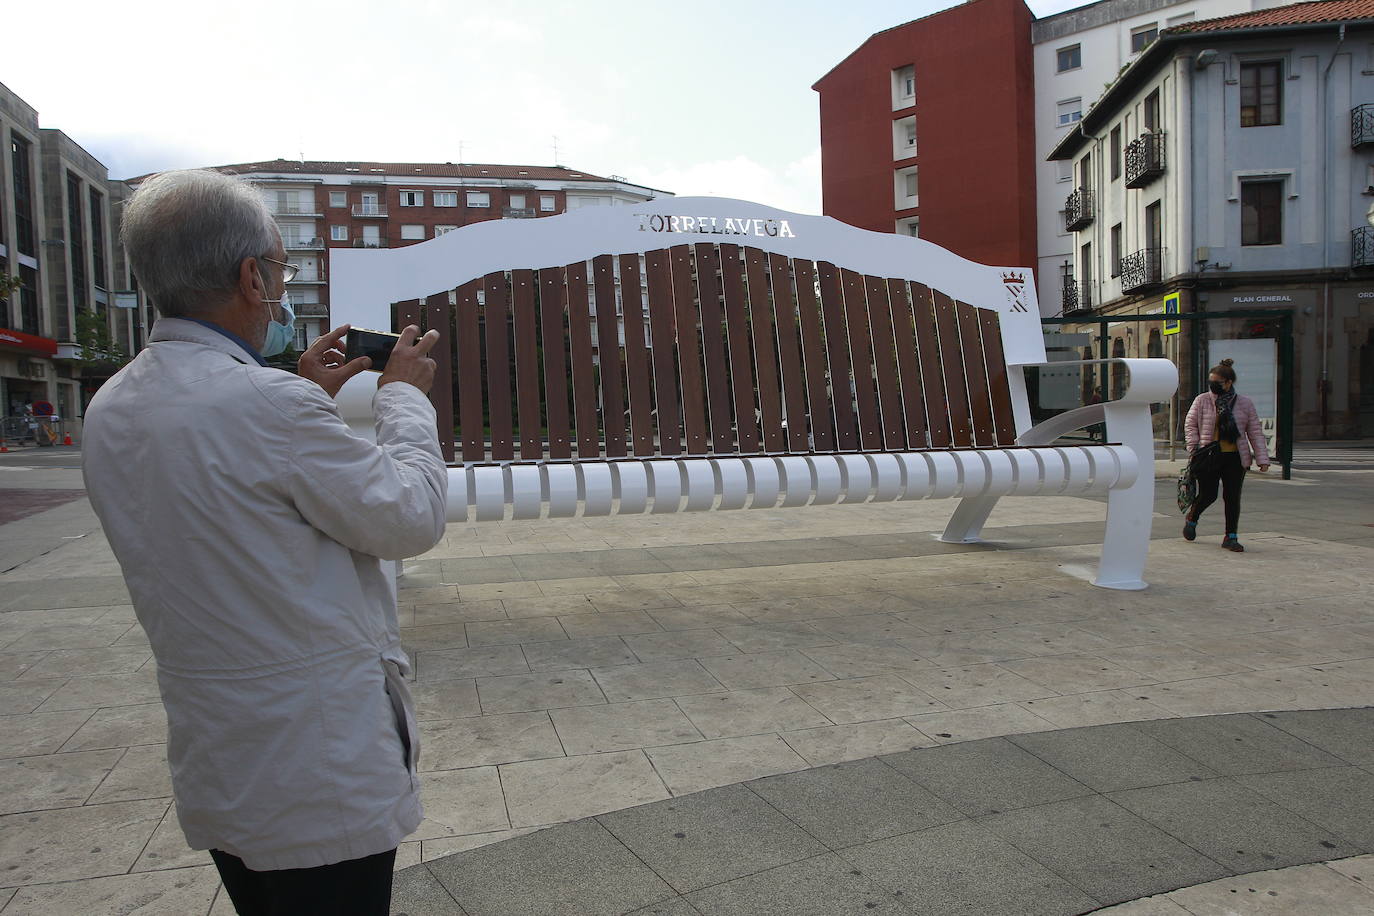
column 688, row 350
column 861, row 356
column 527, row 401
column 439, row 317
column 1003, row 420
column 976, row 375
column 713, row 347
column 608, row 356
column 885, row 363
column 496, row 313
column 583, row 369
column 813, row 354
column 932, row 374
column 765, row 350
column 952, row 364
column 837, row 357
column 741, row 362
column 553, row 338
column 662, row 335
column 908, row 367
column 638, row 381
column 789, row 355
column 470, row 406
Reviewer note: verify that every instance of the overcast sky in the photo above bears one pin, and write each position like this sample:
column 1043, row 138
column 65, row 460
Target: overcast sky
column 708, row 97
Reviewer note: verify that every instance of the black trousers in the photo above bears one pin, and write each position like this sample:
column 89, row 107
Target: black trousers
column 357, row 887
column 1230, row 476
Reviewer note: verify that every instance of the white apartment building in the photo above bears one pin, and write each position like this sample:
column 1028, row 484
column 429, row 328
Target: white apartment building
column 1233, row 166
column 1077, row 55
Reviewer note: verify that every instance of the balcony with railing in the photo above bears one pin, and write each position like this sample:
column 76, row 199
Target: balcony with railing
column 1076, row 298
column 369, row 243
column 518, row 213
column 370, row 210
column 1078, row 210
column 1361, row 126
column 1144, row 159
column 297, row 210
column 1362, row 248
column 1142, row 269
column 309, row 276
column 294, row 243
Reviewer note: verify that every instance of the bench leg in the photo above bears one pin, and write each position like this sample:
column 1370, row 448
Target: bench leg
column 966, row 524
column 1130, row 510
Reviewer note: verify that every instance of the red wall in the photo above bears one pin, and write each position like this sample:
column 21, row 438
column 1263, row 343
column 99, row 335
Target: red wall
column 975, row 131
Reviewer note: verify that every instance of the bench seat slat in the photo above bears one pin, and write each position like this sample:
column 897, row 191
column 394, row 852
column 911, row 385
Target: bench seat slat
column 932, row 374
column 688, row 350
column 976, row 375
column 861, row 359
column 789, row 357
column 813, row 354
column 737, row 333
column 713, row 347
column 998, row 385
column 583, row 372
column 552, row 306
column 765, row 350
column 608, row 354
column 496, row 312
column 885, row 363
column 526, row 365
column 638, row 382
column 952, row 364
column 837, row 357
column 908, row 370
column 438, row 317
column 662, row 334
column 471, row 417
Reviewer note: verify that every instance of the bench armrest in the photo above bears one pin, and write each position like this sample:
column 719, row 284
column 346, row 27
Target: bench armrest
column 1148, row 381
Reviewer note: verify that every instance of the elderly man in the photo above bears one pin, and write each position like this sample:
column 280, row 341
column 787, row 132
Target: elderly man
column 251, row 526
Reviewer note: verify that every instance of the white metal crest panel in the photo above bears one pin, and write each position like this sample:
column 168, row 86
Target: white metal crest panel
column 364, row 282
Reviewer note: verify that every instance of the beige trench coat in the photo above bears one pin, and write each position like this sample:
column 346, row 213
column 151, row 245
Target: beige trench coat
column 251, row 527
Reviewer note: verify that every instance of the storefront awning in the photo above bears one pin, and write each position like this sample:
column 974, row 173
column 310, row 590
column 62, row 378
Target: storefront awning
column 28, row 343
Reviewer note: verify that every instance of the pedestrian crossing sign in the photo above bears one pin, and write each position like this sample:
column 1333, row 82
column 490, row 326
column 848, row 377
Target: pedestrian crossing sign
column 1171, row 325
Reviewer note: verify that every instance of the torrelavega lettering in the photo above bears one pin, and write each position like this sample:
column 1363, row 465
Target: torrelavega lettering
column 712, row 225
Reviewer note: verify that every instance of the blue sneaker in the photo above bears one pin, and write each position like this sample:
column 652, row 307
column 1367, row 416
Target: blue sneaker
column 1189, row 530
column 1230, row 542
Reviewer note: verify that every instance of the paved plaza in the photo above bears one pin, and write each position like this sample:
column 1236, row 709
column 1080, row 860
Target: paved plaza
column 815, row 711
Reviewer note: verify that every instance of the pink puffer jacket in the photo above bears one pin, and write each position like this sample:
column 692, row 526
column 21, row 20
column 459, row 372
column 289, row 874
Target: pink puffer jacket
column 1200, row 428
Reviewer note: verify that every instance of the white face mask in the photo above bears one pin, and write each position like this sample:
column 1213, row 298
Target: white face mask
column 279, row 333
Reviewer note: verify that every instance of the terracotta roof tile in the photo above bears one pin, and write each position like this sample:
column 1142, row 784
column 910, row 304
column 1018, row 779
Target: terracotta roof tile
column 1293, row 14
column 420, row 169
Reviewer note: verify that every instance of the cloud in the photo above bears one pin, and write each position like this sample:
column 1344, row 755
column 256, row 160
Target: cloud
column 796, row 186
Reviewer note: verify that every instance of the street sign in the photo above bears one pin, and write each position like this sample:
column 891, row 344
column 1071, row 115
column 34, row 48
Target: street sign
column 1171, row 326
column 126, row 300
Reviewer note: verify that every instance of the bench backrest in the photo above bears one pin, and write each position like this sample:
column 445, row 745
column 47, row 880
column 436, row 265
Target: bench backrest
column 709, row 334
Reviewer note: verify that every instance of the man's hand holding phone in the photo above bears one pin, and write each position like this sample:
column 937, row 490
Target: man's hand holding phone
column 325, row 364
column 410, row 360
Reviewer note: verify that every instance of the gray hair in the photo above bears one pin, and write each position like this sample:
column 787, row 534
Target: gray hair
column 187, row 232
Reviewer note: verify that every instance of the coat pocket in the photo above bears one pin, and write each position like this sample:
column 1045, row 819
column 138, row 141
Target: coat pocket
column 403, row 706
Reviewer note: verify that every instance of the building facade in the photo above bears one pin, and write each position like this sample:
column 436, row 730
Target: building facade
column 1078, row 53
column 321, row 206
column 1232, row 166
column 927, row 129
column 57, row 236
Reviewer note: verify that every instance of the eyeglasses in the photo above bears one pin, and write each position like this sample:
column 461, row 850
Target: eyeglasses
column 288, row 271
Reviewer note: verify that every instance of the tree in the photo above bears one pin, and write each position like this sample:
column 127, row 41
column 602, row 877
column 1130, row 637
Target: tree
column 97, row 345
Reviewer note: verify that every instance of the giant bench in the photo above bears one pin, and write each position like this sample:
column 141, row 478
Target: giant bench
column 695, row 354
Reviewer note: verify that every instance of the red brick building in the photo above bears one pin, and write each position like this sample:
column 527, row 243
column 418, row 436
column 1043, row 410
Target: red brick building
column 928, row 129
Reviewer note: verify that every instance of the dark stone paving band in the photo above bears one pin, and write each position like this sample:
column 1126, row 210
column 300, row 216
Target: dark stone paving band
column 1060, row 822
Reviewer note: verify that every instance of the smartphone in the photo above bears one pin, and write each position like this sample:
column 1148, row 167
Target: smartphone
column 375, row 345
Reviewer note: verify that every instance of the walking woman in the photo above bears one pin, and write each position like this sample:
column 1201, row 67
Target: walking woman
column 1223, row 416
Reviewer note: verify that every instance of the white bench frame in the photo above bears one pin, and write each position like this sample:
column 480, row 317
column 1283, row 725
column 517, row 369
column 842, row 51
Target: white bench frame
column 365, row 282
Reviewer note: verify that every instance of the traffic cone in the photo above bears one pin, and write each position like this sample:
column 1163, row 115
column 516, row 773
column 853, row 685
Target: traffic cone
column 67, row 439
